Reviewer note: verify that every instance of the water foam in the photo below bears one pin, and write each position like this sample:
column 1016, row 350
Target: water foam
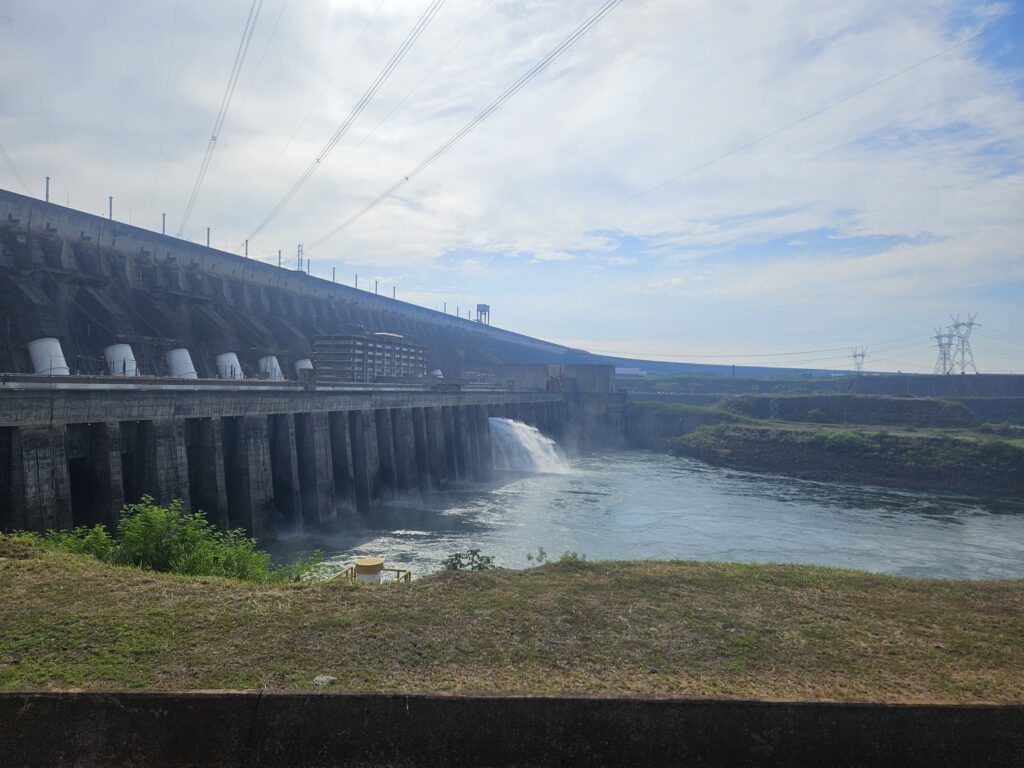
column 521, row 448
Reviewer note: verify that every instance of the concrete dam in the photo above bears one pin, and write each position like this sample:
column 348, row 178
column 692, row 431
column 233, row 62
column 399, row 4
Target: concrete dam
column 92, row 282
column 114, row 384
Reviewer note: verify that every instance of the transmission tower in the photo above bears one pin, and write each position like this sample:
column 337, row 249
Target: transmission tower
column 944, row 342
column 858, row 354
column 962, row 355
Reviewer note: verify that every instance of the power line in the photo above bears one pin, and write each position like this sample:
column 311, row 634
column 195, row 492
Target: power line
column 776, row 132
column 256, row 73
column 14, row 170
column 511, row 91
column 415, row 88
column 225, row 103
column 365, row 99
column 337, row 72
column 161, row 158
column 1007, row 334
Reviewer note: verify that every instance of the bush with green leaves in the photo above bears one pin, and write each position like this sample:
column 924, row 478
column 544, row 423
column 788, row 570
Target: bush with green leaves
column 166, row 539
column 470, row 560
column 568, row 556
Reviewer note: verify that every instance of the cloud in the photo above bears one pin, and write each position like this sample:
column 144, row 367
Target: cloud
column 919, row 176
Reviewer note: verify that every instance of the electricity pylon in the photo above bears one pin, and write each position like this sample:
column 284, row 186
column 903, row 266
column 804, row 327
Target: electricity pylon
column 858, row 354
column 944, row 342
column 963, row 355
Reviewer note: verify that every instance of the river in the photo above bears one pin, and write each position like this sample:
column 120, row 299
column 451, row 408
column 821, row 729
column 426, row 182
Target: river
column 642, row 505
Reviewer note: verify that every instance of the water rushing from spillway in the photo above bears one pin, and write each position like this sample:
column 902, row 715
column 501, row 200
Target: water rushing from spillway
column 518, row 447
column 637, row 505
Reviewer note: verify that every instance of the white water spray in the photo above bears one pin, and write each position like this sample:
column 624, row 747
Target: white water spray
column 521, row 448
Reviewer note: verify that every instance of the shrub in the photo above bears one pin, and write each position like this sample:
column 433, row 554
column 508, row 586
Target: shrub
column 540, row 558
column 166, row 539
column 566, row 557
column 572, row 557
column 95, row 541
column 470, row 560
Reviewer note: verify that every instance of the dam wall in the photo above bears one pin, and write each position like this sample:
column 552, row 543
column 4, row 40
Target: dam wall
column 257, row 456
column 91, row 282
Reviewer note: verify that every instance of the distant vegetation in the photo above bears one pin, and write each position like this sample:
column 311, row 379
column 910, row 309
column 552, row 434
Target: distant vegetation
column 165, row 539
column 956, row 460
column 853, row 409
column 651, row 424
column 690, row 384
column 901, row 441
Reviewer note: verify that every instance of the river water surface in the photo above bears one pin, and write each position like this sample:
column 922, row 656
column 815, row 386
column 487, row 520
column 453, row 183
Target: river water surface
column 640, row 505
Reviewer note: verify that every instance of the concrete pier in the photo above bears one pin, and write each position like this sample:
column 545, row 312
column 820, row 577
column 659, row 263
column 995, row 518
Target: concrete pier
column 285, row 469
column 344, row 465
column 40, row 486
column 170, row 458
column 205, row 448
column 316, row 469
column 366, row 461
column 250, row 482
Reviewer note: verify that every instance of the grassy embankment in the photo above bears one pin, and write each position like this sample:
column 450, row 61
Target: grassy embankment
column 642, row 628
column 921, row 443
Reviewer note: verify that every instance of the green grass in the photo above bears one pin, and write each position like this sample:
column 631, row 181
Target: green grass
column 636, row 628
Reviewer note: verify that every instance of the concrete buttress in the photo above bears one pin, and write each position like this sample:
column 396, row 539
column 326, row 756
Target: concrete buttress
column 427, row 479
column 386, row 450
column 285, row 468
column 41, row 488
column 106, row 463
column 450, row 449
column 344, row 467
column 405, row 451
column 365, row 460
column 207, row 484
column 316, row 468
column 250, row 481
column 170, row 462
column 466, row 445
column 437, row 453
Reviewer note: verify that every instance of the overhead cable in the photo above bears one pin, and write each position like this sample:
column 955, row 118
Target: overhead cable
column 14, row 170
column 365, row 99
column 225, row 104
column 318, row 99
column 511, row 91
column 415, row 88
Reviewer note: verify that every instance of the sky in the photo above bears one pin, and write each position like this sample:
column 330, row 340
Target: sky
column 700, row 181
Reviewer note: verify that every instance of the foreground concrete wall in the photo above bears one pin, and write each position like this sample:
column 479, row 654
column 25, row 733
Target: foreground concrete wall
column 328, row 731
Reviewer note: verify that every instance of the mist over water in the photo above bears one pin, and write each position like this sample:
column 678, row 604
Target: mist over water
column 518, row 447
column 645, row 505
